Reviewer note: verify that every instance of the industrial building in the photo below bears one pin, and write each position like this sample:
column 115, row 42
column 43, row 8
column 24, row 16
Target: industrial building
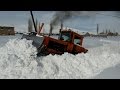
column 5, row 30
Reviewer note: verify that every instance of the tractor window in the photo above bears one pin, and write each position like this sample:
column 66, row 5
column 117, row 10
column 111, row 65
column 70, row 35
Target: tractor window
column 77, row 40
column 65, row 36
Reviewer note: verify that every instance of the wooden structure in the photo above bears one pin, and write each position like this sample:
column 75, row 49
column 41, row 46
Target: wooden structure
column 5, row 30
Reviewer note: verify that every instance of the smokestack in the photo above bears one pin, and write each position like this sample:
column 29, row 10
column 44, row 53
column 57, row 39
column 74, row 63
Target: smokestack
column 51, row 28
column 61, row 28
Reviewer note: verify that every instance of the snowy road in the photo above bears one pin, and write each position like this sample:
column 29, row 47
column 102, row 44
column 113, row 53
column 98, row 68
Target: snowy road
column 110, row 73
column 18, row 60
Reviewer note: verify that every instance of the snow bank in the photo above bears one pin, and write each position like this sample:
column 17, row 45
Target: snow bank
column 18, row 60
column 81, row 65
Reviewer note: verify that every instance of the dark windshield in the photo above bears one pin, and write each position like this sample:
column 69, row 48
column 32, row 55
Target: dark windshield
column 65, row 36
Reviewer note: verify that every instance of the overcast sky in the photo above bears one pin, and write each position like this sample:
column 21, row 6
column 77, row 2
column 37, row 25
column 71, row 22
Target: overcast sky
column 19, row 20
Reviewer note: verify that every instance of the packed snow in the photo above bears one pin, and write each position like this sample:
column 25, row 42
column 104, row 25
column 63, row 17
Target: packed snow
column 18, row 59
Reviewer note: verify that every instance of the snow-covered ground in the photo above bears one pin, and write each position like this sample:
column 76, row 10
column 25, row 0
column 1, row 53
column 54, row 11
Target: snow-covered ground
column 5, row 39
column 18, row 60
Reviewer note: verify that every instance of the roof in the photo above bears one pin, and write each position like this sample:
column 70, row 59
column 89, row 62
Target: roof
column 72, row 32
column 7, row 26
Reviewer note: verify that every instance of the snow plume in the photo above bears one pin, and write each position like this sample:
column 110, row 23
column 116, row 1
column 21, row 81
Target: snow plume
column 18, row 60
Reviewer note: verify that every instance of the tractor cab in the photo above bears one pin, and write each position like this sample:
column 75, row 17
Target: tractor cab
column 65, row 36
column 71, row 36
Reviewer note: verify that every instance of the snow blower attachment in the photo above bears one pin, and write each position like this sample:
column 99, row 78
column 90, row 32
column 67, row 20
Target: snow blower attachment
column 68, row 41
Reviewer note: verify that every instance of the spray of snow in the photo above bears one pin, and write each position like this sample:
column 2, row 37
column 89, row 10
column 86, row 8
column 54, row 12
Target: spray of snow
column 18, row 60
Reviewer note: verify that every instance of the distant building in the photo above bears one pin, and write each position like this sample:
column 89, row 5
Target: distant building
column 5, row 30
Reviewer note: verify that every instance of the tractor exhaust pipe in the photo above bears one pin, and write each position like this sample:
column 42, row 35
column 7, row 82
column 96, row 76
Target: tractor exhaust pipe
column 60, row 30
column 51, row 28
column 61, row 27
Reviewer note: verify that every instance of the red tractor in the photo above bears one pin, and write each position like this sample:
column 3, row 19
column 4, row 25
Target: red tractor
column 68, row 41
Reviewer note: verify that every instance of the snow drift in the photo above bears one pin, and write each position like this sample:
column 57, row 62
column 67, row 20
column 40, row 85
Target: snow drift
column 18, row 60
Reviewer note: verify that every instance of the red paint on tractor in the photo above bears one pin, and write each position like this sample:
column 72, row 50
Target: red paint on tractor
column 58, row 46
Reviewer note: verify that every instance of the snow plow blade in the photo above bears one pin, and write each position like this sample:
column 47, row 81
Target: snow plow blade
column 37, row 41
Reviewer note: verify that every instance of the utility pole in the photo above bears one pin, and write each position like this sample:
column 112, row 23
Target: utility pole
column 97, row 29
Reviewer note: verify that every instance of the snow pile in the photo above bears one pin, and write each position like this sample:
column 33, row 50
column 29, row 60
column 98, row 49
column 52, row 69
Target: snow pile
column 18, row 60
column 81, row 65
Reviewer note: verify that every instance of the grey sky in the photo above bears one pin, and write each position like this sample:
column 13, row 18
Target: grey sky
column 19, row 20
